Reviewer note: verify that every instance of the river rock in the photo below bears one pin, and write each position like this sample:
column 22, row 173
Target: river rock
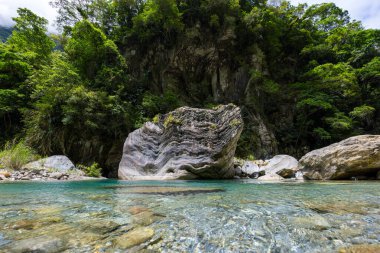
column 57, row 162
column 315, row 222
column 361, row 248
column 43, row 244
column 282, row 165
column 354, row 157
column 187, row 143
column 135, row 237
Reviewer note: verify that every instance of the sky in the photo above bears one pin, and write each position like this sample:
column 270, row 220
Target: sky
column 367, row 11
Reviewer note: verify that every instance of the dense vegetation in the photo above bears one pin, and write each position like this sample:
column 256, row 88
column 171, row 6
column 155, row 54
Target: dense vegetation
column 303, row 76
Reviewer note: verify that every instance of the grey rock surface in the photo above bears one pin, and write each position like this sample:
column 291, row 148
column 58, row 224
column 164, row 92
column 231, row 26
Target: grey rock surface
column 354, row 157
column 283, row 165
column 58, row 162
column 187, row 143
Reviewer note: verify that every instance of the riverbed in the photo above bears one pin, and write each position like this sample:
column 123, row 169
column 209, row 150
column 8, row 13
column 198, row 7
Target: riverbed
column 189, row 216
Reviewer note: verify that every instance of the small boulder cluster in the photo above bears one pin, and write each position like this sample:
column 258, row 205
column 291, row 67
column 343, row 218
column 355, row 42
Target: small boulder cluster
column 279, row 167
column 48, row 169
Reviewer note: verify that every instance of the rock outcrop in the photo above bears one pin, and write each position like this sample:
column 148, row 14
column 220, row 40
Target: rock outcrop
column 357, row 156
column 187, row 143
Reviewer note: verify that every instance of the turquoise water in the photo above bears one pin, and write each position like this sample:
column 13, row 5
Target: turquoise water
column 215, row 216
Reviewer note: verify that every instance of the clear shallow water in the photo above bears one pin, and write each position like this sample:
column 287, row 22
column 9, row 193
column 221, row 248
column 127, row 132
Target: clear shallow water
column 217, row 216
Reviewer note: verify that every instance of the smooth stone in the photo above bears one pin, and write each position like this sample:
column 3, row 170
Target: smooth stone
column 137, row 209
column 362, row 248
column 98, row 226
column 57, row 162
column 354, row 157
column 144, row 218
column 283, row 165
column 43, row 244
column 135, row 237
column 312, row 222
column 337, row 207
column 271, row 177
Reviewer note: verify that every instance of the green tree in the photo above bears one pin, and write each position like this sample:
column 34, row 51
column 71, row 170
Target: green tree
column 29, row 37
column 160, row 19
column 96, row 57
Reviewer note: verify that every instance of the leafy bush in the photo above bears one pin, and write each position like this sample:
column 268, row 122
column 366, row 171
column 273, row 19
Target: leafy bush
column 91, row 171
column 15, row 155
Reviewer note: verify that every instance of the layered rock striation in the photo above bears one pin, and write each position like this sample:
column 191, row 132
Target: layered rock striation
column 357, row 156
column 187, row 143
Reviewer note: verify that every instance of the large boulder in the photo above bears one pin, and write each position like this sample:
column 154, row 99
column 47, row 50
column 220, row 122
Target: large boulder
column 187, row 143
column 282, row 165
column 58, row 162
column 357, row 156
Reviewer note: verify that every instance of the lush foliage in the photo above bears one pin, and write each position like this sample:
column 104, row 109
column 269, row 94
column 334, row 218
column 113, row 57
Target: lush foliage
column 15, row 155
column 304, row 76
column 91, row 171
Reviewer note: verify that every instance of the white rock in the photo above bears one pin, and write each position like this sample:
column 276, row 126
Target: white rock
column 284, row 165
column 57, row 162
column 250, row 168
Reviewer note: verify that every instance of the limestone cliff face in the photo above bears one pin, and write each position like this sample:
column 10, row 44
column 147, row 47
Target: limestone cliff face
column 187, row 143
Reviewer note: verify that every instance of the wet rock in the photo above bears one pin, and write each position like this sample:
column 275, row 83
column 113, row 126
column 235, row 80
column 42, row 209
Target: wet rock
column 145, row 218
column 187, row 143
column 163, row 190
column 312, row 222
column 99, row 226
column 271, row 177
column 57, row 162
column 282, row 165
column 378, row 175
column 363, row 248
column 137, row 209
column 135, row 237
column 353, row 157
column 43, row 244
column 23, row 224
column 337, row 207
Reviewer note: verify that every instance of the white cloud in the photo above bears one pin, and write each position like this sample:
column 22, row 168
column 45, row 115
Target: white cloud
column 8, row 9
column 367, row 11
